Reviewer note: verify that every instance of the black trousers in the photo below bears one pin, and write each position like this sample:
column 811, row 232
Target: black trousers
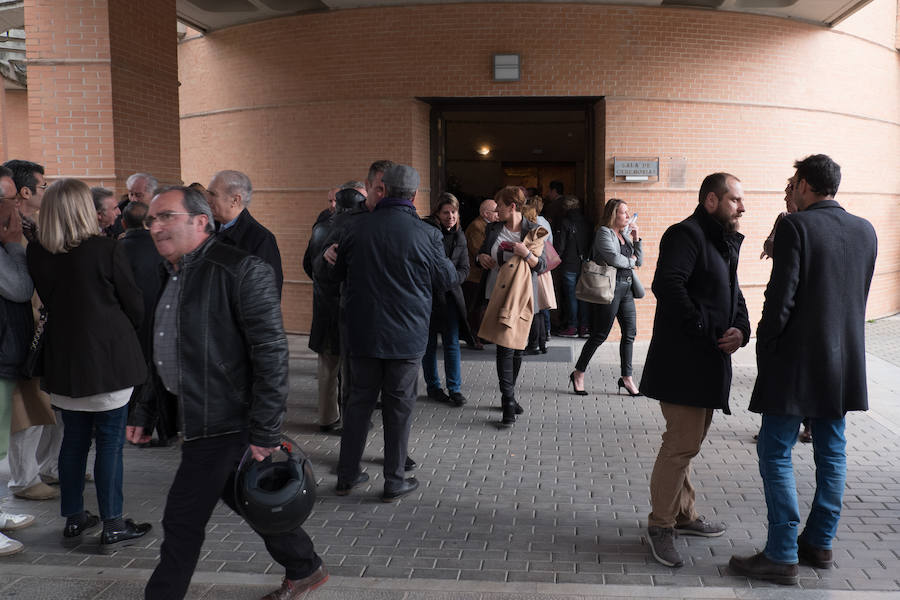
column 206, row 475
column 603, row 315
column 509, row 362
column 395, row 380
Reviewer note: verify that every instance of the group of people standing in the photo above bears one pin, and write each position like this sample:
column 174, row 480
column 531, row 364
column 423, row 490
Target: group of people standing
column 386, row 285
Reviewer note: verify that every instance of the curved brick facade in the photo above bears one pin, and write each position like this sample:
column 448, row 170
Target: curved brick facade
column 305, row 102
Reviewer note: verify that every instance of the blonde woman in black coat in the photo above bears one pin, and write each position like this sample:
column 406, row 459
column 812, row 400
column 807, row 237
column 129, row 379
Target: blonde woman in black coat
column 92, row 357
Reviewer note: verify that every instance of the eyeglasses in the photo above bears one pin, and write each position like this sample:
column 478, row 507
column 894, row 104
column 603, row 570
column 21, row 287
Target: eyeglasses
column 163, row 217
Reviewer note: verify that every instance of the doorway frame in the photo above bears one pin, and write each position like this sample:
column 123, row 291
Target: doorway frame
column 438, row 129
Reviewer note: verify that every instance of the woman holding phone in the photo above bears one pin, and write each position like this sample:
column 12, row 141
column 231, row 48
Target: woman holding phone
column 618, row 244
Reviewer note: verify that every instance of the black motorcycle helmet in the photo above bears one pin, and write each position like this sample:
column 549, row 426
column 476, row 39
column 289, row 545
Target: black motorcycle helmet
column 275, row 496
column 348, row 199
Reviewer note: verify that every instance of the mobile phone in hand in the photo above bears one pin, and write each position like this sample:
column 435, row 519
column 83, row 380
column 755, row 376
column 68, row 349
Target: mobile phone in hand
column 507, row 246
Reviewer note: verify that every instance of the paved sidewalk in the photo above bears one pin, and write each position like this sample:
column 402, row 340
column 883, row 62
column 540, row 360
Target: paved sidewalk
column 553, row 508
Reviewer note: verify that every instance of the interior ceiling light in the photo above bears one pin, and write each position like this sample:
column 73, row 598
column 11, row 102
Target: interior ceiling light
column 483, row 150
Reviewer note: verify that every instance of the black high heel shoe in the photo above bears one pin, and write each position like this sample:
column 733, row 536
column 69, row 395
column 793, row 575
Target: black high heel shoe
column 621, row 384
column 577, row 392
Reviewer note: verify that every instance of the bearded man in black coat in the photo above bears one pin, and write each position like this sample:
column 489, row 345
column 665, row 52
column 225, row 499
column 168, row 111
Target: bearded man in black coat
column 701, row 320
column 811, row 355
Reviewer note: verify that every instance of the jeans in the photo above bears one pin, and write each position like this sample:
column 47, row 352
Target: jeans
column 450, row 339
column 576, row 310
column 621, row 308
column 777, row 437
column 206, row 475
column 7, row 386
column 80, row 427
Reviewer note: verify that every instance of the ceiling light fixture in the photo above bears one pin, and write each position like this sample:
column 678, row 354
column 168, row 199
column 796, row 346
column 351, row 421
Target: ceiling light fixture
column 483, row 150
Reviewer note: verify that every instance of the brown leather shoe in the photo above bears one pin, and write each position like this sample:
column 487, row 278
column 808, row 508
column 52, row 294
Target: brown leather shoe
column 759, row 566
column 820, row 558
column 292, row 589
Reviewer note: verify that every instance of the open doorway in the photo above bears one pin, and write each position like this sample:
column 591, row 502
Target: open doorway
column 482, row 144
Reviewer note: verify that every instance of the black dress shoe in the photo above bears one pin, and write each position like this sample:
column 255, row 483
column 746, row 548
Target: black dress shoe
column 457, row 399
column 410, row 465
column 111, row 541
column 343, row 488
column 73, row 534
column 331, row 427
column 393, row 494
column 438, row 395
column 531, row 352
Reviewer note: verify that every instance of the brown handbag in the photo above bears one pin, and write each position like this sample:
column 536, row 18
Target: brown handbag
column 597, row 283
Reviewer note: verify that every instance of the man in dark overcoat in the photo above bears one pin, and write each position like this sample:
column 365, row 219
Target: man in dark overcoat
column 701, row 320
column 811, row 355
column 391, row 263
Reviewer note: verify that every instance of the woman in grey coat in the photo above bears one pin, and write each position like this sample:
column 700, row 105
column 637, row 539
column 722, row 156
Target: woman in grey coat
column 619, row 248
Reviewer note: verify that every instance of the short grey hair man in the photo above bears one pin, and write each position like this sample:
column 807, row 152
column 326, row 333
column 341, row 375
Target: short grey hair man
column 235, row 183
column 355, row 185
column 141, row 187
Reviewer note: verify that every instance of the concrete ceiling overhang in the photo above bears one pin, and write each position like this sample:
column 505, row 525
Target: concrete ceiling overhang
column 210, row 15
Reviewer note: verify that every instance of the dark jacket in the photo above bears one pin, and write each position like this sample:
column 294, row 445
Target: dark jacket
column 93, row 309
column 572, row 240
column 697, row 300
column 250, row 236
column 232, row 349
column 144, row 260
column 16, row 318
column 456, row 249
column 391, row 263
column 810, row 347
column 323, row 331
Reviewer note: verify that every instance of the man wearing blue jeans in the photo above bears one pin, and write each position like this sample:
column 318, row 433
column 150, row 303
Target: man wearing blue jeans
column 811, row 357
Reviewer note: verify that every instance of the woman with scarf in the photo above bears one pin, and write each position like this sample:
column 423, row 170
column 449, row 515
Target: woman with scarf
column 513, row 256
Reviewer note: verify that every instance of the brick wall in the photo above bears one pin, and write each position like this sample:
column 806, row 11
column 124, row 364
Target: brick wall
column 299, row 109
column 144, row 69
column 102, row 89
column 15, row 123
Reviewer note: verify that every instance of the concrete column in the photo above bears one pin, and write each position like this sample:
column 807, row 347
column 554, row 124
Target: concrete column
column 103, row 89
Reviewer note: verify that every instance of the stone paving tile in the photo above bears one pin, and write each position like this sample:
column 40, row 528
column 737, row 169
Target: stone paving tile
column 561, row 497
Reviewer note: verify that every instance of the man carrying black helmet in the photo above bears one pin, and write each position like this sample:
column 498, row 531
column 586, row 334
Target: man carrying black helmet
column 220, row 349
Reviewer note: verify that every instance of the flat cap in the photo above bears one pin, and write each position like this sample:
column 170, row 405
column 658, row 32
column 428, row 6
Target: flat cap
column 401, row 177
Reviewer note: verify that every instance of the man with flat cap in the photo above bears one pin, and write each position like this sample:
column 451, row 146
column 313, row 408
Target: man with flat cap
column 390, row 262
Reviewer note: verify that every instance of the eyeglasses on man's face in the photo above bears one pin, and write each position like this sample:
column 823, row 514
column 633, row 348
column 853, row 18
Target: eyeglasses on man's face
column 163, row 217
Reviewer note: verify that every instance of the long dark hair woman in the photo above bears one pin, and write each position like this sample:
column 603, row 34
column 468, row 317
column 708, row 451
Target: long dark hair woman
column 617, row 245
column 448, row 311
column 92, row 357
column 517, row 245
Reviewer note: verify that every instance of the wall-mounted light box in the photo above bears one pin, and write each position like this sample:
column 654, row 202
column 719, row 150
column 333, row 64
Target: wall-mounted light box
column 507, row 67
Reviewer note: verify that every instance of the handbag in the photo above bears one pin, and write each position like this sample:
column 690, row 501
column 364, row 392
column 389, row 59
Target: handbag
column 34, row 361
column 597, row 283
column 551, row 256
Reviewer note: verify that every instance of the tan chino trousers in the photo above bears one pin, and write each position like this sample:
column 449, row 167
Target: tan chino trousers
column 671, row 492
column 328, row 367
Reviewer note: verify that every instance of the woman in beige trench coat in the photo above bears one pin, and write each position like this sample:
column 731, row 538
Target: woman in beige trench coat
column 512, row 255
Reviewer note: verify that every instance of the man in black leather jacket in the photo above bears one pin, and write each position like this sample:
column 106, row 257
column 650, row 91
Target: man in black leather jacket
column 229, row 371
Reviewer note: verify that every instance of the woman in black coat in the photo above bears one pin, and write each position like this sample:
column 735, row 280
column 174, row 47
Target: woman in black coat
column 448, row 311
column 91, row 354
